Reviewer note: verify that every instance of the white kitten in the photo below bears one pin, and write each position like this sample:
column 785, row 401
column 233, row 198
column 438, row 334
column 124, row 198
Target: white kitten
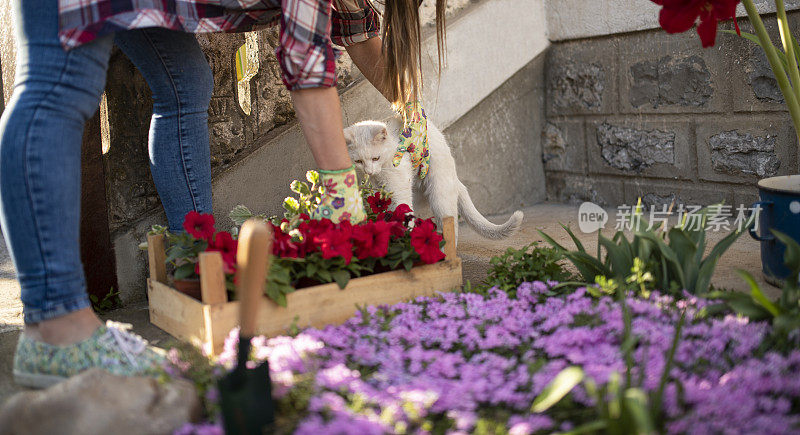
column 372, row 145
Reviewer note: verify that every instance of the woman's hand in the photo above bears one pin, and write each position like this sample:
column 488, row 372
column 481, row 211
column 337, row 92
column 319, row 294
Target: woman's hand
column 414, row 139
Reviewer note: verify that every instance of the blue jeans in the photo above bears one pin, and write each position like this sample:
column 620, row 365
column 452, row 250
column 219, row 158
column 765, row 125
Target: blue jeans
column 55, row 93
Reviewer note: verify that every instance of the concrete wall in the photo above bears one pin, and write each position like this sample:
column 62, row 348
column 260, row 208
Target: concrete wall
column 652, row 115
column 573, row 19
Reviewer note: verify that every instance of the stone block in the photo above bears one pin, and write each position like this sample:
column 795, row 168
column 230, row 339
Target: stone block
column 753, row 85
column 581, row 78
column 744, row 149
column 662, row 73
column 576, row 189
column 639, row 148
column 564, row 146
column 658, row 194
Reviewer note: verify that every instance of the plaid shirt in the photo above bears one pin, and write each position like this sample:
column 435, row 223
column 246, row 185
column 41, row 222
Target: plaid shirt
column 307, row 27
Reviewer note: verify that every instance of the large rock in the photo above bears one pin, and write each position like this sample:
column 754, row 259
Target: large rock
column 97, row 402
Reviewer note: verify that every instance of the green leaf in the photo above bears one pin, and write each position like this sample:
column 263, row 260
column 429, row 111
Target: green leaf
column 591, row 427
column 552, row 242
column 312, row 177
column 342, row 277
column 559, row 387
column 621, row 262
column 291, row 205
column 575, row 240
column 758, row 295
column 636, row 404
column 184, row 271
column 240, row 214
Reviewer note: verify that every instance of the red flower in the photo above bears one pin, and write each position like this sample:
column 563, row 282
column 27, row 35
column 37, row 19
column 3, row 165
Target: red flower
column 678, row 16
column 378, row 203
column 335, row 241
column 372, row 239
column 224, row 244
column 400, row 213
column 284, row 246
column 200, row 226
column 425, row 241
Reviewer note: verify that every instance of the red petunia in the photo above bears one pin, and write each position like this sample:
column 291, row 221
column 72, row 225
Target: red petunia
column 283, row 245
column 336, row 242
column 425, row 241
column 372, row 239
column 224, row 243
column 378, row 203
column 678, row 16
column 400, row 214
column 200, row 226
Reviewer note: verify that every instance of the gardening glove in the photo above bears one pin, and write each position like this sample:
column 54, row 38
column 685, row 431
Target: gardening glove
column 341, row 198
column 414, row 139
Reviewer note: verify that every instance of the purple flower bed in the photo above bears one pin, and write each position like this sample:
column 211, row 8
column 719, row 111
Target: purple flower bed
column 464, row 362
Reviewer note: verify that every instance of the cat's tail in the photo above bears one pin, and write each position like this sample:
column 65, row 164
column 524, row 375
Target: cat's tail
column 480, row 224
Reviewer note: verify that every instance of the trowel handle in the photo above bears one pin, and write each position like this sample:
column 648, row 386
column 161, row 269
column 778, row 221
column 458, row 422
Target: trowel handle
column 252, row 258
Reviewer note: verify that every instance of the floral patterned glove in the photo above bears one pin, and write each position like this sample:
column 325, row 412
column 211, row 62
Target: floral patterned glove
column 414, row 139
column 341, row 199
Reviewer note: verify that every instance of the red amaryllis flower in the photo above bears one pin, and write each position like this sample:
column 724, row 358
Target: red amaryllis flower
column 335, row 242
column 372, row 239
column 378, row 203
column 224, row 244
column 425, row 241
column 200, row 226
column 678, row 16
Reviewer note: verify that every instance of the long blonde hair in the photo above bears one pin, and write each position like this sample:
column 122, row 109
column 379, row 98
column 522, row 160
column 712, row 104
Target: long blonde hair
column 402, row 48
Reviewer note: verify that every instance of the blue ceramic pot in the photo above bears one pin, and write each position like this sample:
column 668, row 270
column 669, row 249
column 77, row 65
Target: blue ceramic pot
column 780, row 210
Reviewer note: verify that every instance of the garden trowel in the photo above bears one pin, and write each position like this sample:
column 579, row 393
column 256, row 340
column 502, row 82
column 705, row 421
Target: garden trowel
column 246, row 394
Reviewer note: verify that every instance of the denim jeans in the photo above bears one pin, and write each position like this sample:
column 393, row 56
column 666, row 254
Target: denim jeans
column 55, row 93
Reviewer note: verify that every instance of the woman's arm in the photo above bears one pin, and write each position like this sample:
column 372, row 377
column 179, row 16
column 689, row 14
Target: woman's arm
column 368, row 57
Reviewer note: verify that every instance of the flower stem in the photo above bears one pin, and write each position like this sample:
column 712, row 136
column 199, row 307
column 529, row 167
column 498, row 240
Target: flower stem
column 775, row 63
column 788, row 47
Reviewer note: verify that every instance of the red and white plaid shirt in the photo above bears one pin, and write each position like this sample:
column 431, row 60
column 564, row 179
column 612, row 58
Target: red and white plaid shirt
column 308, row 27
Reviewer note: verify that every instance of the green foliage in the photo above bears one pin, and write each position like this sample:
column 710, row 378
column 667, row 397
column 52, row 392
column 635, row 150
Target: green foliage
column 670, row 260
column 784, row 312
column 182, row 251
column 109, row 302
column 530, row 263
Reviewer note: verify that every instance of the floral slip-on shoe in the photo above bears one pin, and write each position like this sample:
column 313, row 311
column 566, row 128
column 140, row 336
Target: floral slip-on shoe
column 112, row 347
column 341, row 198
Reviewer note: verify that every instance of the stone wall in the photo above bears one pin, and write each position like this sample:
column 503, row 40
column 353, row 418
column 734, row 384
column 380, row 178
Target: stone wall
column 656, row 116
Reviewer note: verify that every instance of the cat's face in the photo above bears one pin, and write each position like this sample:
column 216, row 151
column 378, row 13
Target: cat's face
column 368, row 145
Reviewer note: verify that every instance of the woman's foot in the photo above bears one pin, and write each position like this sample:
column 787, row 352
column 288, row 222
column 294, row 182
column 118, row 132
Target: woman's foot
column 39, row 364
column 341, row 197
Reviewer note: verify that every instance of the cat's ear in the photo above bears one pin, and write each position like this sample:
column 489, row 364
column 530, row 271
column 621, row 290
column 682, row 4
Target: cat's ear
column 379, row 134
column 348, row 135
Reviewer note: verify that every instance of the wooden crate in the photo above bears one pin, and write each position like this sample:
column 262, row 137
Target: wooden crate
column 207, row 323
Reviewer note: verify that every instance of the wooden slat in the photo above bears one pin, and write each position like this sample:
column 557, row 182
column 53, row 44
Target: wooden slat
column 176, row 313
column 212, row 278
column 449, row 233
column 157, row 257
column 326, row 304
